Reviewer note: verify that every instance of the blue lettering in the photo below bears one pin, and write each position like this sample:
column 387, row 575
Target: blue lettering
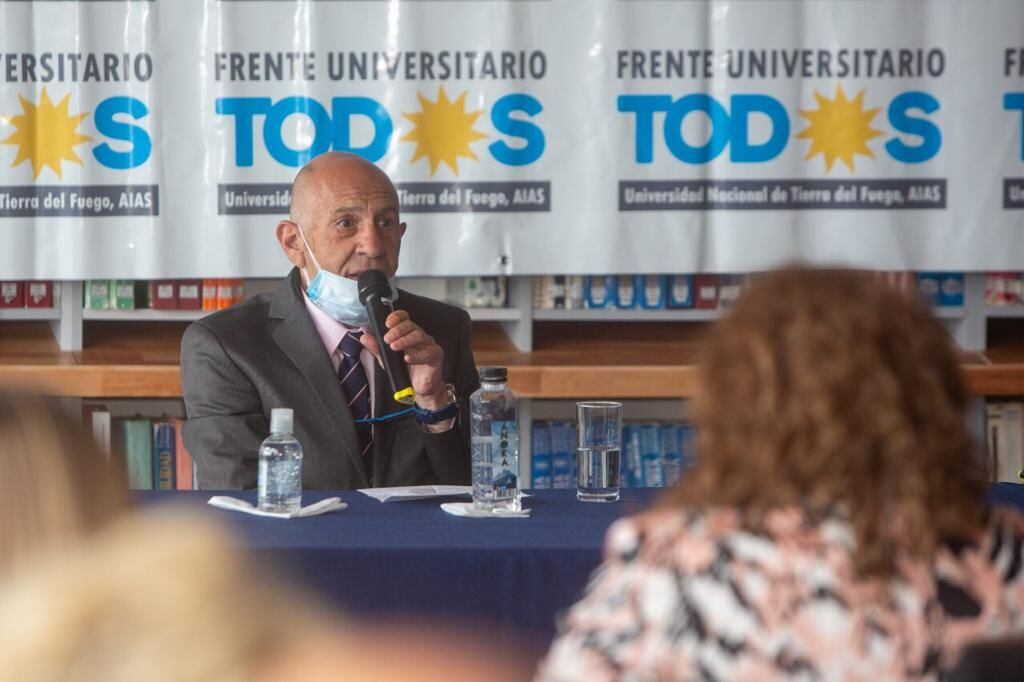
column 244, row 109
column 272, row 138
column 719, row 121
column 140, row 143
column 741, row 106
column 644, row 106
column 931, row 136
column 343, row 109
column 531, row 134
column 1014, row 101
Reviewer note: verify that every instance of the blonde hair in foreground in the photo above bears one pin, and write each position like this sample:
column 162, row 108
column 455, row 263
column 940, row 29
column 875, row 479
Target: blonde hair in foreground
column 161, row 597
column 55, row 484
column 828, row 390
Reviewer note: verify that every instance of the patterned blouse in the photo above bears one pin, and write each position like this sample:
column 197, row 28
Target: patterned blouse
column 690, row 596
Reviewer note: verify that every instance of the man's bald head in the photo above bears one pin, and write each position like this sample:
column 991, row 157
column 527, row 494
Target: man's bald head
column 309, row 182
column 344, row 217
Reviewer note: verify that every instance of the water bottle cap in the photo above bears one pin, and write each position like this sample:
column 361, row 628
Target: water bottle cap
column 493, row 374
column 281, row 420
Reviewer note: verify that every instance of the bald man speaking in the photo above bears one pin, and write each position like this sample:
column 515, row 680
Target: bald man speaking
column 307, row 346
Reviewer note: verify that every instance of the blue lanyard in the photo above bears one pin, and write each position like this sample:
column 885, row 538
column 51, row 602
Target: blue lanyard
column 386, row 417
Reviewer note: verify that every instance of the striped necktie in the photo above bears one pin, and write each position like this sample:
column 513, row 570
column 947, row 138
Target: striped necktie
column 356, row 388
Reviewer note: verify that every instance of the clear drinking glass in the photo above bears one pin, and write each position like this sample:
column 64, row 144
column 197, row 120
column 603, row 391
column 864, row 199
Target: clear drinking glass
column 598, row 451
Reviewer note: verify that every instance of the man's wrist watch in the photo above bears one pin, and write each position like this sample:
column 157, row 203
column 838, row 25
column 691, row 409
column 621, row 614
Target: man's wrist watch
column 424, row 416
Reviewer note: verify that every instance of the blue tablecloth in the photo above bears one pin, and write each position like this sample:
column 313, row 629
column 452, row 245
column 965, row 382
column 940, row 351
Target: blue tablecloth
column 412, row 559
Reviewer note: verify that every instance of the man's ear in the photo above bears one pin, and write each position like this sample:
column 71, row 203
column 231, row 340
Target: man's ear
column 291, row 243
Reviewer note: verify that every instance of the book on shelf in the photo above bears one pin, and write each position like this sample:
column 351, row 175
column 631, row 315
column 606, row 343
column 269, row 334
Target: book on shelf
column 679, row 291
column 485, row 292
column 38, row 294
column 597, row 291
column 1004, row 430
column 184, row 476
column 653, row 294
column 651, row 467
column 190, row 296
column 137, row 446
column 99, row 421
column 540, row 455
column 563, row 454
column 163, row 456
column 630, row 460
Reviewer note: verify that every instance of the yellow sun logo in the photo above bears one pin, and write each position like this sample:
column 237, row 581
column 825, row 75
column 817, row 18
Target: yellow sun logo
column 444, row 131
column 45, row 134
column 839, row 128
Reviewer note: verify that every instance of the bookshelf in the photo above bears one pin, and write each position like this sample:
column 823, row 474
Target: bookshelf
column 551, row 354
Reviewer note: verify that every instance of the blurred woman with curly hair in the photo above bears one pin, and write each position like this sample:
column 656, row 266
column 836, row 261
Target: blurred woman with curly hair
column 834, row 525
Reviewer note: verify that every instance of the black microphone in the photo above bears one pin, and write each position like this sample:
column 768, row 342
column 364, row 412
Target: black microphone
column 375, row 295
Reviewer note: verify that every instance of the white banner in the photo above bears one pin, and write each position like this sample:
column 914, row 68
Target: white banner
column 150, row 139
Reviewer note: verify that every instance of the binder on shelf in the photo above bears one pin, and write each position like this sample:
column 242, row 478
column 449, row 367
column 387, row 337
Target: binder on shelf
column 100, row 422
column 705, row 292
column 190, row 295
column 138, row 452
column 687, row 447
column 650, row 455
column 729, row 289
column 485, row 292
column 238, row 290
column 209, row 294
column 12, row 295
column 558, row 291
column 652, row 292
column 625, row 290
column 163, row 456
column 563, row 452
column 122, row 294
column 671, row 453
column 225, row 293
column 598, row 291
column 163, row 294
column 39, row 294
column 679, row 291
column 184, row 471
column 929, row 285
column 1004, row 430
column 574, row 298
column 951, row 289
column 630, row 466
column 97, row 294
column 540, row 456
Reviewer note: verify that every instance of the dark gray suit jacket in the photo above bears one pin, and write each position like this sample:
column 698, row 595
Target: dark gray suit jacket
column 238, row 363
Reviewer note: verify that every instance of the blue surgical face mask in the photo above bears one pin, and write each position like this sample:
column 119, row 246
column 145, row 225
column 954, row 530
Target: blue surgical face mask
column 336, row 295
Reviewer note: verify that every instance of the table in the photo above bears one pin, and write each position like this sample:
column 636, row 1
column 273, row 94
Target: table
column 412, row 559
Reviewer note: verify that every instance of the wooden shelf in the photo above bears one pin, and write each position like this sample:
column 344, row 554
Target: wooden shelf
column 655, row 360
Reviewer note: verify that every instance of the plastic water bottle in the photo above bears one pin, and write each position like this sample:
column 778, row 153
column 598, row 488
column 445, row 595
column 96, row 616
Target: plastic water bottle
column 494, row 437
column 280, row 475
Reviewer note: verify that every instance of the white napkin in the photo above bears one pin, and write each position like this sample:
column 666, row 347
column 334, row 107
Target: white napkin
column 415, row 492
column 235, row 504
column 467, row 509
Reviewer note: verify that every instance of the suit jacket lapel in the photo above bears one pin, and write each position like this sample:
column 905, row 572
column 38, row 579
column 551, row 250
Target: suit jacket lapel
column 299, row 340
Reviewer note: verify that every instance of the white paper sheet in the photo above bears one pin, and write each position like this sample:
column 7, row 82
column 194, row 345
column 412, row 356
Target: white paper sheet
column 415, row 492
